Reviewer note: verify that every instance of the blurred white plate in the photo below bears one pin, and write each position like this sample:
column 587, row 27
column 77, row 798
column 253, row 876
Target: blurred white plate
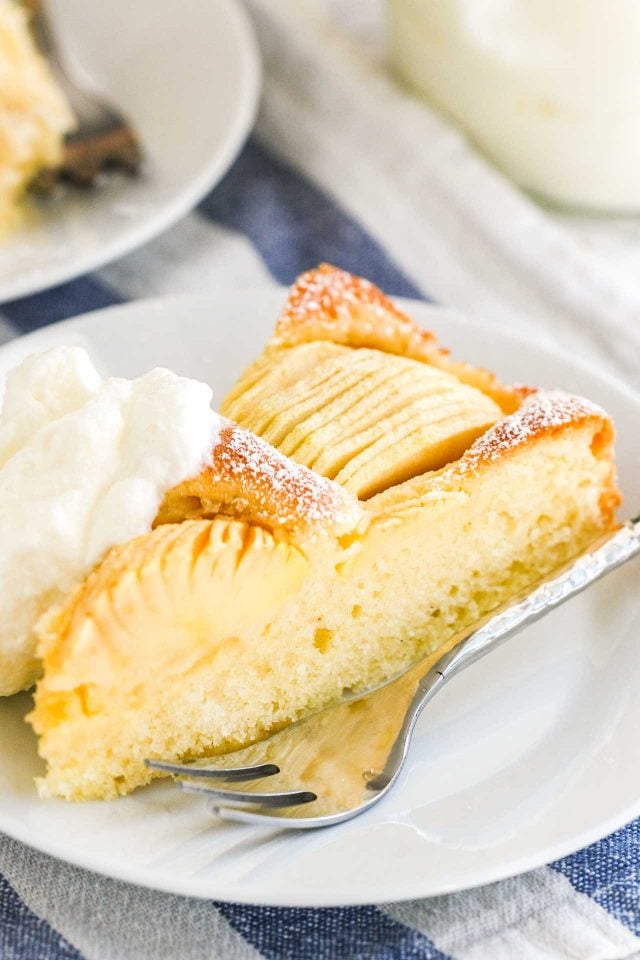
column 529, row 755
column 188, row 77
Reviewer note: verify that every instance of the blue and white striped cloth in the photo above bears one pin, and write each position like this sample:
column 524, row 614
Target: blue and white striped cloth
column 345, row 168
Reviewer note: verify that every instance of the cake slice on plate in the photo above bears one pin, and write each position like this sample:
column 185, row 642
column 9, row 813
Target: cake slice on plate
column 409, row 495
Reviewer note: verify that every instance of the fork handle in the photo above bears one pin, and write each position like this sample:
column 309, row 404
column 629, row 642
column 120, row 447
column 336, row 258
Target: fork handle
column 608, row 554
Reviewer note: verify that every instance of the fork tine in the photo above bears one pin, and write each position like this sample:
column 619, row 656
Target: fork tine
column 256, row 772
column 291, row 798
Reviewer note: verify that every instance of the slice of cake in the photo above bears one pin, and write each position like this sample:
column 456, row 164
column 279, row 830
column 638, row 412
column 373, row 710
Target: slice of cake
column 34, row 114
column 411, row 495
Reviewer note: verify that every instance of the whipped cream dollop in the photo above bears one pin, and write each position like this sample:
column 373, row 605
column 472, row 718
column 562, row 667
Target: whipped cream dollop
column 84, row 465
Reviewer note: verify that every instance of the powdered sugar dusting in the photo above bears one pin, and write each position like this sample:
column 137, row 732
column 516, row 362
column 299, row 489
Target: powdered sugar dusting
column 275, row 490
column 334, row 299
column 540, row 413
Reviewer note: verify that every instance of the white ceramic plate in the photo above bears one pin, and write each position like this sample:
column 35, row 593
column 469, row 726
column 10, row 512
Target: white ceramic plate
column 188, row 76
column 530, row 754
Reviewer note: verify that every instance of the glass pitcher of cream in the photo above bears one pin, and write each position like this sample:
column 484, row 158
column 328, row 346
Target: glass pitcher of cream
column 549, row 89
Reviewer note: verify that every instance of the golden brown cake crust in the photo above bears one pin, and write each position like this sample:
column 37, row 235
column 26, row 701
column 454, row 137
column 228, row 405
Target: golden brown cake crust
column 330, row 304
column 327, row 303
column 249, row 479
column 545, row 413
column 542, row 413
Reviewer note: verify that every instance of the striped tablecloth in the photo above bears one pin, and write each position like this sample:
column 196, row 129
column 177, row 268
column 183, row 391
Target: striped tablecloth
column 344, row 167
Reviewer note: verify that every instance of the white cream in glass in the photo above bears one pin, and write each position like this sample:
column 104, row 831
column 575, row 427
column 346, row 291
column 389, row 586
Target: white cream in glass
column 549, row 89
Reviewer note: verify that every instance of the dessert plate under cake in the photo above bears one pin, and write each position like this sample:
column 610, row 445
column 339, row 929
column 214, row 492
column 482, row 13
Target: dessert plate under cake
column 212, row 57
column 508, row 768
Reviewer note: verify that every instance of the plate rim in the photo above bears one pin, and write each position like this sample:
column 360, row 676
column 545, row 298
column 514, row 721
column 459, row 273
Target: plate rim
column 187, row 886
column 250, row 64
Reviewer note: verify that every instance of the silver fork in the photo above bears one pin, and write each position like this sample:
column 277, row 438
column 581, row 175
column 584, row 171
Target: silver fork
column 337, row 763
column 102, row 139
